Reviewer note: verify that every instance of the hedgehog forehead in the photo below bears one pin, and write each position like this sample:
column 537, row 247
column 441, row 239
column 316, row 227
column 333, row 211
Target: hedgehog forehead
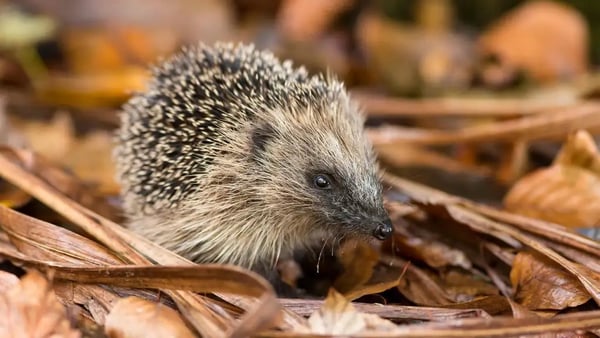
column 331, row 138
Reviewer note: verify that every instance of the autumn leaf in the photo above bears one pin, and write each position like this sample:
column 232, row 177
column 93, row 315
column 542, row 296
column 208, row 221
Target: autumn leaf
column 358, row 259
column 338, row 316
column 31, row 309
column 541, row 284
column 545, row 39
column 136, row 317
column 568, row 192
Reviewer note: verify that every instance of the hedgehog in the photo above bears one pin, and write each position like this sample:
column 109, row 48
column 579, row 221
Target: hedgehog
column 232, row 156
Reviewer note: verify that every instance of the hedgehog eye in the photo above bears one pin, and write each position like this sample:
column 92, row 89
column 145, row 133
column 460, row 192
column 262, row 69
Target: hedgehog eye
column 322, row 181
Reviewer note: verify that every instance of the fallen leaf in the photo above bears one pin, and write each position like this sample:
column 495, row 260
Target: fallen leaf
column 408, row 59
column 541, row 284
column 568, row 192
column 338, row 316
column 545, row 39
column 434, row 253
column 18, row 29
column 106, row 89
column 31, row 309
column 7, row 280
column 304, row 20
column 88, row 156
column 135, row 317
column 358, row 259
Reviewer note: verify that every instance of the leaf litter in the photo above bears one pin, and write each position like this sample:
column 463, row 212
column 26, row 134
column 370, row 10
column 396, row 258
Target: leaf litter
column 454, row 267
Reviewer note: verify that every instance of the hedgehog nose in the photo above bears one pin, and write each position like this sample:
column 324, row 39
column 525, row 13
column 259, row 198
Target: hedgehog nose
column 384, row 230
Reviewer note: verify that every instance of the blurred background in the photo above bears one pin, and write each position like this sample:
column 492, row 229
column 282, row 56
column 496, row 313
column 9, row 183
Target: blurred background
column 67, row 66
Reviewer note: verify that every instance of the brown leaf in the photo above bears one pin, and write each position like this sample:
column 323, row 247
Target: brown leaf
column 546, row 39
column 44, row 241
column 11, row 196
column 8, row 134
column 338, row 316
column 7, row 280
column 436, row 254
column 305, row 20
column 358, row 259
column 421, row 288
column 567, row 192
column 136, row 317
column 541, row 284
column 67, row 183
column 31, row 309
column 91, row 90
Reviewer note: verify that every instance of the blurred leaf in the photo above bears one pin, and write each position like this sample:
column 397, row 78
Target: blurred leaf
column 305, row 20
column 11, row 196
column 136, row 317
column 409, row 59
column 18, row 29
column 7, row 281
column 541, row 284
column 89, row 156
column 566, row 192
column 31, row 309
column 97, row 49
column 105, row 89
column 545, row 39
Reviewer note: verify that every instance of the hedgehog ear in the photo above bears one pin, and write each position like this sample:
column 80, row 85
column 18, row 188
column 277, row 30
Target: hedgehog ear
column 261, row 135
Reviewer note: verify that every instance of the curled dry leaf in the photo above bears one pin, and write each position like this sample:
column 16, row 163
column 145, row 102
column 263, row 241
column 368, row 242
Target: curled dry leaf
column 31, row 309
column 338, row 316
column 436, row 254
column 541, row 284
column 546, row 39
column 135, row 317
column 568, row 192
column 358, row 259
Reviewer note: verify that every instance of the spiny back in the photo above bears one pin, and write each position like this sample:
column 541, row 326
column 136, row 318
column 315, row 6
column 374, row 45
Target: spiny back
column 171, row 133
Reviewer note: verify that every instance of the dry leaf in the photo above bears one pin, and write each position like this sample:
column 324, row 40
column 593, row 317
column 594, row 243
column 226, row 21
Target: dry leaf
column 7, row 281
column 98, row 49
column 31, row 309
column 89, row 156
column 8, row 134
column 338, row 316
column 408, row 59
column 540, row 284
column 107, row 89
column 135, row 317
column 11, row 196
column 304, row 20
column 546, row 39
column 436, row 254
column 422, row 289
column 59, row 129
column 358, row 259
column 568, row 192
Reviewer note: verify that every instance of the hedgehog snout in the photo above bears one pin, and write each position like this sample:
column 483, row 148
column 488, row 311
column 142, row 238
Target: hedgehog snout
column 384, row 230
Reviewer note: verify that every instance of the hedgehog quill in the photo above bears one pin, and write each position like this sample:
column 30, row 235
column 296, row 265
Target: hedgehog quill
column 232, row 156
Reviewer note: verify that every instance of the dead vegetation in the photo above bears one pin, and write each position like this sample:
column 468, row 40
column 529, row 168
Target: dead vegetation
column 492, row 184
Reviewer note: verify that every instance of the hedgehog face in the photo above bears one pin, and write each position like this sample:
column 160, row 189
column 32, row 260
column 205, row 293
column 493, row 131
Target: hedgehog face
column 325, row 170
column 350, row 206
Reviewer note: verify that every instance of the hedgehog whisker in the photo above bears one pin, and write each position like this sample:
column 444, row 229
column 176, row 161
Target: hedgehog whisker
column 321, row 253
